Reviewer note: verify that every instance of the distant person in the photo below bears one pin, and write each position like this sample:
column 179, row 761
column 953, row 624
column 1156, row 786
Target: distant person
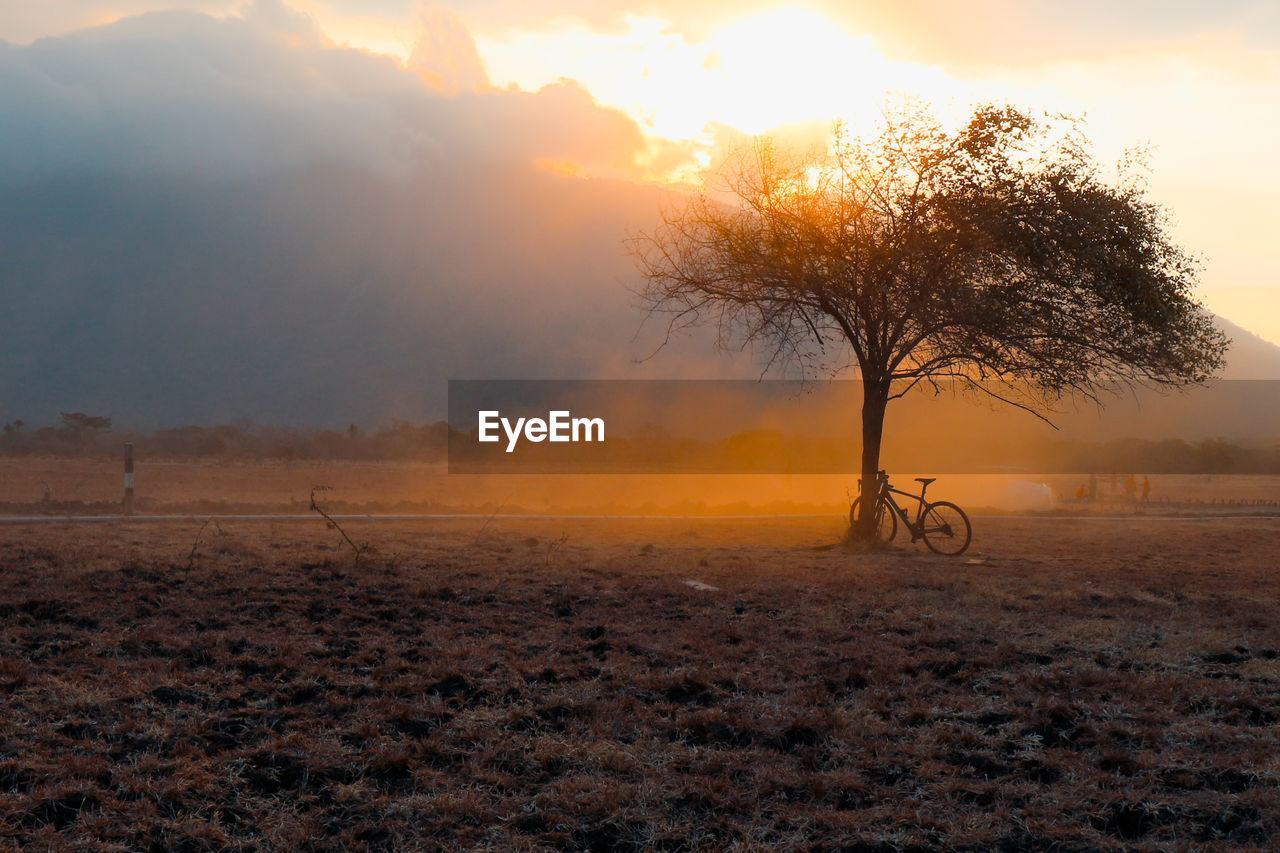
column 1080, row 492
column 1146, row 489
column 1130, row 487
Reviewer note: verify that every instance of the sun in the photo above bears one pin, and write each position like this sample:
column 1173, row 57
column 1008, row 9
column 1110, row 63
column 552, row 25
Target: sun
column 787, row 65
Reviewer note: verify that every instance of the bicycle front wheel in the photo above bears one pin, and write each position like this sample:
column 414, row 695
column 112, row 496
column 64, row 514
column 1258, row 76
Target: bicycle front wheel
column 886, row 520
column 946, row 529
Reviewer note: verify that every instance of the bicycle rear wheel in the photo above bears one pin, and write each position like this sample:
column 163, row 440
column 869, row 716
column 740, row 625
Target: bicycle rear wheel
column 946, row 529
column 886, row 520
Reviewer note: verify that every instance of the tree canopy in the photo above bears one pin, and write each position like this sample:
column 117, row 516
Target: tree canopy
column 992, row 251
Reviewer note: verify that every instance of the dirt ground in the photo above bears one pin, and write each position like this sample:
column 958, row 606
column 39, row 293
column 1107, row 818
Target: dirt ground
column 638, row 685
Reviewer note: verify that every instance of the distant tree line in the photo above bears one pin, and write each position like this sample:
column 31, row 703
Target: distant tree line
column 83, row 435
column 78, row 434
column 1169, row 456
column 772, row 451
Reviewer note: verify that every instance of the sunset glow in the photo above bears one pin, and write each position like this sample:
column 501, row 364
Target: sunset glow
column 784, row 66
column 676, row 86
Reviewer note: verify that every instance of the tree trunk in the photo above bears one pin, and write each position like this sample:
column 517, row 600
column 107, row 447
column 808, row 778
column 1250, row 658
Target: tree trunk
column 875, row 399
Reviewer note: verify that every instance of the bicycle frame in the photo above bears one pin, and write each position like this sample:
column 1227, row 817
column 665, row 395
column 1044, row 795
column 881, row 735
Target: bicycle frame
column 915, row 528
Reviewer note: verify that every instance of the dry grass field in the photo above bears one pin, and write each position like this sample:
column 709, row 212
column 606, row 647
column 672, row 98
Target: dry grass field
column 559, row 684
column 204, row 486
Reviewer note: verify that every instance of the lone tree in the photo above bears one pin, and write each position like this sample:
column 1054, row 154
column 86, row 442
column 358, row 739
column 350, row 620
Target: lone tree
column 993, row 255
column 78, row 424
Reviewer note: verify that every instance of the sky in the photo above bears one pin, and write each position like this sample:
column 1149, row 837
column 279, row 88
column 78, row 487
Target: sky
column 1199, row 82
column 200, row 98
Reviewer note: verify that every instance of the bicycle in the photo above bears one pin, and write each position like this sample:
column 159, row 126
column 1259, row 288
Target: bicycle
column 942, row 525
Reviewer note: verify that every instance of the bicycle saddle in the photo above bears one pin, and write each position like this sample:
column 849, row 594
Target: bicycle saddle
column 925, row 480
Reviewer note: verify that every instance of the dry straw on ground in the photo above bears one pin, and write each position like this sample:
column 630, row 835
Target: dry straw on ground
column 1085, row 686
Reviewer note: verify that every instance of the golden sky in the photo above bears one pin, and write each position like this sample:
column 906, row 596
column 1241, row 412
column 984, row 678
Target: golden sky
column 1199, row 82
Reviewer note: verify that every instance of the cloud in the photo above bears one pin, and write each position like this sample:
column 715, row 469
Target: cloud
column 445, row 55
column 941, row 32
column 994, row 32
column 22, row 23
column 203, row 219
column 183, row 92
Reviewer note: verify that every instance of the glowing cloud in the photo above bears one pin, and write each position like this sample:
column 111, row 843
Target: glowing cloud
column 783, row 66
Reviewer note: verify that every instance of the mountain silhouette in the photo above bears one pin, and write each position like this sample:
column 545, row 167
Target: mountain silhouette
column 1250, row 356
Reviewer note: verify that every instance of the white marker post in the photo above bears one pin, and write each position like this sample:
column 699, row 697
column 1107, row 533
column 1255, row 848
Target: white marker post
column 128, row 478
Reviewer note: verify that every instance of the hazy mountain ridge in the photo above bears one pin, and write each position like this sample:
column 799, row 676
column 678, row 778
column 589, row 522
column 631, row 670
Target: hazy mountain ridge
column 1251, row 356
column 311, row 298
column 325, row 297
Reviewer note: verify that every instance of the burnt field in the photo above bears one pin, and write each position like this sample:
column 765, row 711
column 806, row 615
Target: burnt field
column 543, row 684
